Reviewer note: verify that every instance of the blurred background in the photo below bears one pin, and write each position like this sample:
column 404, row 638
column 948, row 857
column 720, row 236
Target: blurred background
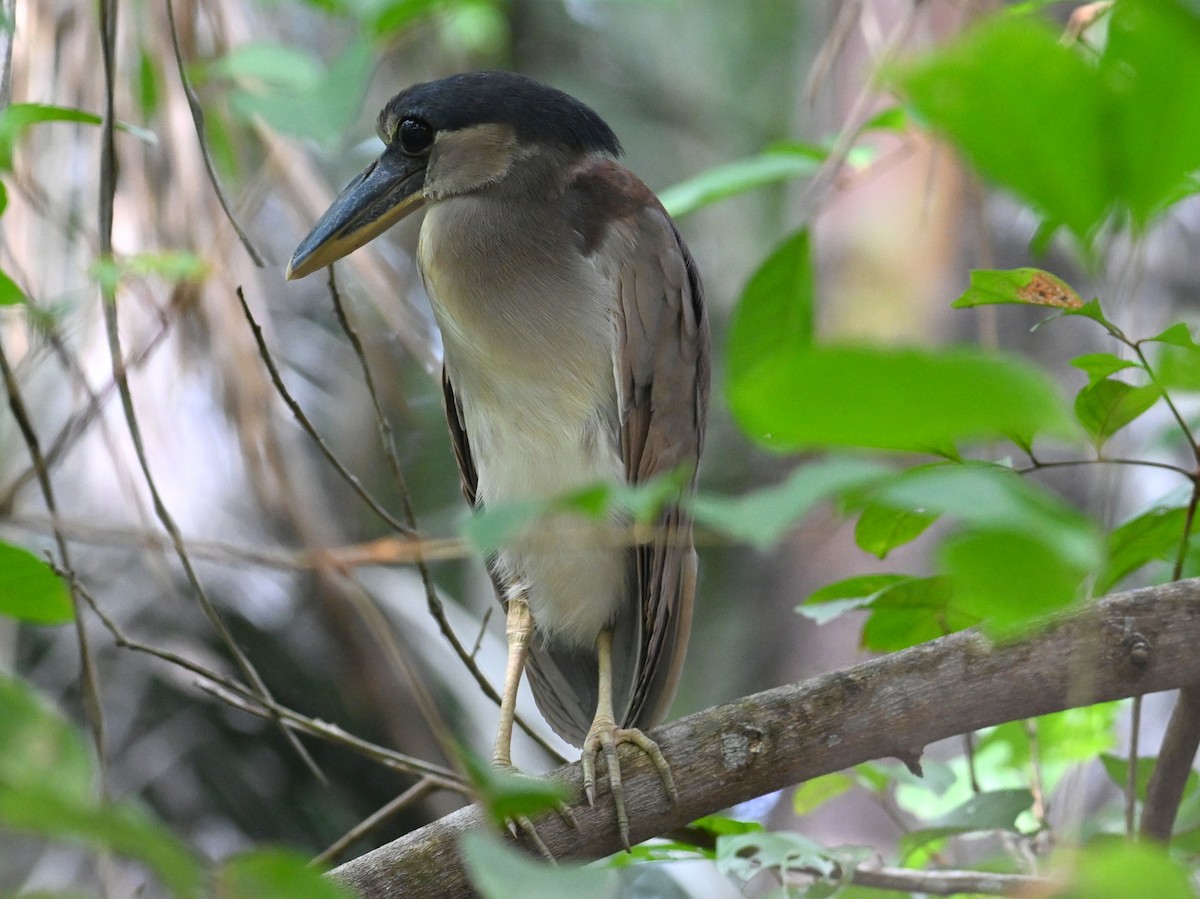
column 289, row 91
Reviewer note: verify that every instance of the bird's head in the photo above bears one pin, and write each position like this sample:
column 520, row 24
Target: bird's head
column 451, row 137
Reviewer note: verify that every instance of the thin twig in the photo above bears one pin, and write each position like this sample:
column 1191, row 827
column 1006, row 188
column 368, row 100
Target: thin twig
column 487, row 617
column 1131, row 768
column 108, row 303
column 245, row 699
column 951, row 883
column 198, row 120
column 1037, row 464
column 8, row 8
column 304, row 422
column 826, row 175
column 78, row 423
column 384, row 551
column 1037, row 784
column 413, row 794
column 969, row 752
column 89, row 679
column 1136, row 346
column 252, row 704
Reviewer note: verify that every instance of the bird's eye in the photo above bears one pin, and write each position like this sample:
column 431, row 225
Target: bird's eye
column 414, row 136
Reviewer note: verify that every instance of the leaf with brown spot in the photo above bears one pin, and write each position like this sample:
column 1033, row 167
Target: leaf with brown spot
column 1026, row 286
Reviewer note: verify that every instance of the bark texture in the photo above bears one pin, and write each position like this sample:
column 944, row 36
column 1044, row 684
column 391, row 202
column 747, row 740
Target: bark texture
column 1138, row 642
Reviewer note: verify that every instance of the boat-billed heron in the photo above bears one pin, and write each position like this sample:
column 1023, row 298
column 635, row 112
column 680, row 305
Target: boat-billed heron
column 576, row 352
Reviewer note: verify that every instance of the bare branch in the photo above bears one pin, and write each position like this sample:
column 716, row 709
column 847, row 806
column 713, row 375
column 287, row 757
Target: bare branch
column 303, row 420
column 951, row 883
column 198, row 120
column 1125, row 645
column 1174, row 764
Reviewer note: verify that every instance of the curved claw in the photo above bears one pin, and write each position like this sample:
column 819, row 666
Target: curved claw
column 605, row 737
column 522, row 825
column 526, row 827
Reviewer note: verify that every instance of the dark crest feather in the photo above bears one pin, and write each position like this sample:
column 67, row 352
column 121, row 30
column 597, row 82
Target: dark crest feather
column 537, row 112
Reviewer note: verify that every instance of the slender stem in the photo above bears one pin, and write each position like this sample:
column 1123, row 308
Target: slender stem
column 1131, row 770
column 413, row 794
column 304, row 422
column 1136, row 346
column 1037, row 464
column 197, row 112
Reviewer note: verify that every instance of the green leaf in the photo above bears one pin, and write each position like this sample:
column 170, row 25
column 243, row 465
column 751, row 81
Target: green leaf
column 38, row 747
column 1152, row 536
column 46, row 788
column 265, row 63
column 915, row 610
column 17, row 117
column 720, row 825
column 1150, row 76
column 733, row 178
column 774, row 317
column 1178, row 366
column 762, row 517
column 506, row 796
column 1025, row 110
column 992, row 497
column 896, row 399
column 812, row 794
column 1091, row 309
column 1072, row 138
column 324, row 109
column 1106, row 406
column 490, row 528
column 173, row 266
column 1007, row 578
column 1117, row 769
column 1179, row 334
column 881, row 528
column 499, row 871
column 1027, row 286
column 275, row 874
column 30, row 590
column 894, row 118
column 836, row 599
column 148, row 87
column 1061, row 739
column 745, row 855
column 996, row 810
column 1115, row 869
column 10, row 293
column 390, row 16
column 1098, row 366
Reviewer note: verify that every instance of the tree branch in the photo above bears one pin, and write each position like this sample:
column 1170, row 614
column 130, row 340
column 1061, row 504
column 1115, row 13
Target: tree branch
column 1175, row 760
column 1127, row 644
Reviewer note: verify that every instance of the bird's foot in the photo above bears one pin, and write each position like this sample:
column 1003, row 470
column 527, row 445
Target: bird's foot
column 603, row 740
column 522, row 824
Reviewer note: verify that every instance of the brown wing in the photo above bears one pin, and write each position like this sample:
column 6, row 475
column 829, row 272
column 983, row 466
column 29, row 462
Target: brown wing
column 661, row 370
column 662, row 382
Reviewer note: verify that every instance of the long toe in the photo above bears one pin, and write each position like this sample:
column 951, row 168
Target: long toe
column 603, row 739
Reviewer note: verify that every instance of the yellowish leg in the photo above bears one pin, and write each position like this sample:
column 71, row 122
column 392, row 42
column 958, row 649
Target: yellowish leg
column 518, row 630
column 605, row 736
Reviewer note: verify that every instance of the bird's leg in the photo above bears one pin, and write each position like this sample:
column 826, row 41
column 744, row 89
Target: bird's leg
column 518, row 630
column 605, row 736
